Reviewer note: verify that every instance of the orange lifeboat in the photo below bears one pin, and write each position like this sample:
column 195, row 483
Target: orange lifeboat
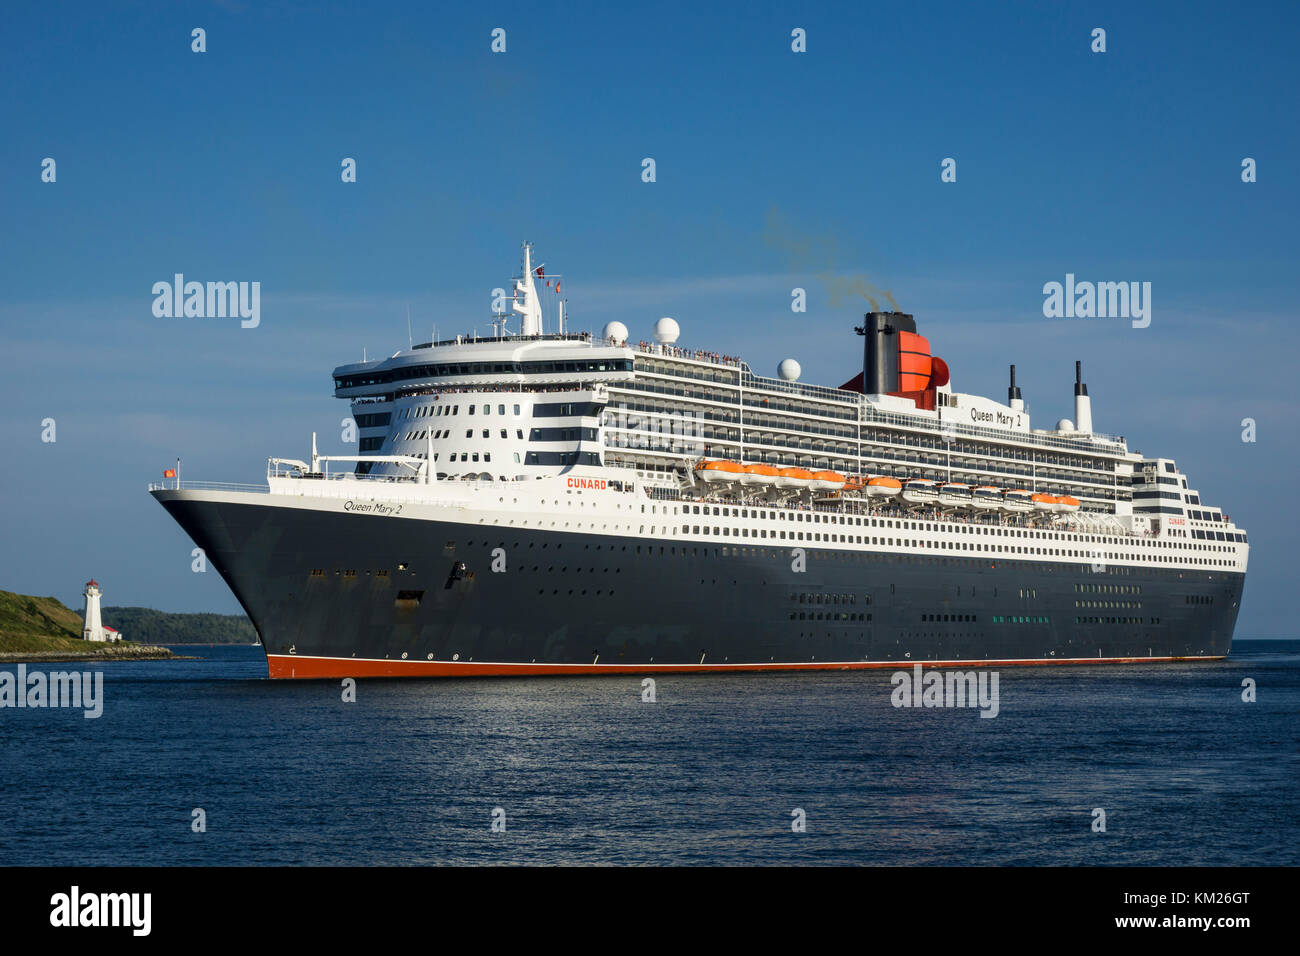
column 883, row 487
column 793, row 478
column 758, row 475
column 1067, row 503
column 1044, row 502
column 827, row 480
column 718, row 470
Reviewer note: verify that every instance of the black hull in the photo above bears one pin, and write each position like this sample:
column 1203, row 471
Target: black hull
column 331, row 586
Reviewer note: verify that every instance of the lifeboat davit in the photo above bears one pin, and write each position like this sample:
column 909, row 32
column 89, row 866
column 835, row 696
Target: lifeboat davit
column 1017, row 501
column 827, row 480
column 793, row 478
column 1067, row 504
column 854, row 484
column 920, row 491
column 717, row 470
column 986, row 497
column 883, row 487
column 758, row 475
column 1044, row 502
column 953, row 494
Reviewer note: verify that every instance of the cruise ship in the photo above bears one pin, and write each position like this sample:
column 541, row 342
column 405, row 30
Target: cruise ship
column 544, row 502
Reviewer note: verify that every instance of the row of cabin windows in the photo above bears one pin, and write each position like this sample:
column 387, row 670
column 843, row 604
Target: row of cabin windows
column 442, row 433
column 828, row 616
column 562, row 434
column 566, row 409
column 1218, row 535
column 1140, row 479
column 562, row 458
column 818, row 597
column 727, row 531
column 467, row 456
column 1108, row 588
column 437, row 411
column 948, row 619
column 989, row 530
column 1145, row 495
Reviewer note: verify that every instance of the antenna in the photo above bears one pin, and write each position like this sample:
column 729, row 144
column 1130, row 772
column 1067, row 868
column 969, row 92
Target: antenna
column 410, row 343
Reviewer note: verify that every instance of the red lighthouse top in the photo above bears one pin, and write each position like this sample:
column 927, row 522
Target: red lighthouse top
column 92, row 583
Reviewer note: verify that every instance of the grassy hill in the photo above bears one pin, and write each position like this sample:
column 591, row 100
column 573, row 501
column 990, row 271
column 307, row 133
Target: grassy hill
column 38, row 624
column 160, row 627
column 42, row 628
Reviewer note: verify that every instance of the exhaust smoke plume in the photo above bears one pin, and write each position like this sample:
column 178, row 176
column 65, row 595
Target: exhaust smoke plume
column 818, row 256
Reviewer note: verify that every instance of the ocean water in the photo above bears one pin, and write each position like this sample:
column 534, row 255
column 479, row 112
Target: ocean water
column 710, row 773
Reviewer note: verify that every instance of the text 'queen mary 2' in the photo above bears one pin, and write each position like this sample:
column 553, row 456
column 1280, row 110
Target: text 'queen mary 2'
column 553, row 503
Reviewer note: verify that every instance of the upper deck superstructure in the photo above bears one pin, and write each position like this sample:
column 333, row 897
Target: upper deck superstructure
column 518, row 406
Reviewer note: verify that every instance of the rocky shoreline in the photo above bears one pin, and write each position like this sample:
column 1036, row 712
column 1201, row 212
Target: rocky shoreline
column 135, row 652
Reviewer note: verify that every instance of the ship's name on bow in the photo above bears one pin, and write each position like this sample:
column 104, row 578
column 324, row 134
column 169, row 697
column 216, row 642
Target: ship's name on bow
column 371, row 507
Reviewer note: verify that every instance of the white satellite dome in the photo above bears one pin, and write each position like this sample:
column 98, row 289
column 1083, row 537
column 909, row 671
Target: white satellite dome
column 789, row 370
column 615, row 332
column 666, row 331
column 1065, row 425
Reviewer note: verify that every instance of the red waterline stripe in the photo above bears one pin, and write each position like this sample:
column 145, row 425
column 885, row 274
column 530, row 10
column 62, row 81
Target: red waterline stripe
column 295, row 667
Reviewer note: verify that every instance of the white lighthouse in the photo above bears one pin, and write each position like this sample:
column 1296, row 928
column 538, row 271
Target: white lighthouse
column 94, row 629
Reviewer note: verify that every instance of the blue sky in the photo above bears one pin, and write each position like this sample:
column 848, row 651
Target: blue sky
column 1122, row 166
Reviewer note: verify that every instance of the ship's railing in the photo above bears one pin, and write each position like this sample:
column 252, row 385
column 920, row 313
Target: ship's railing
column 479, row 339
column 823, row 392
column 175, row 484
column 690, row 355
column 503, row 388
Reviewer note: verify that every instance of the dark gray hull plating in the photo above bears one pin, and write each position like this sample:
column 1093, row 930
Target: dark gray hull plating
column 360, row 587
